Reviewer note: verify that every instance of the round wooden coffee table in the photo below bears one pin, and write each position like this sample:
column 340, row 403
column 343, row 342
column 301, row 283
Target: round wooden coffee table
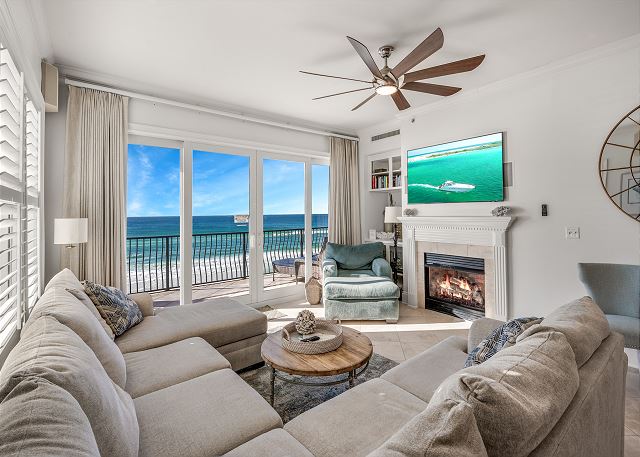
column 354, row 353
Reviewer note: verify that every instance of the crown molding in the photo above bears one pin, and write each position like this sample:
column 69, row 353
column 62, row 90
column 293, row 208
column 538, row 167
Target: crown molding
column 632, row 42
column 116, row 82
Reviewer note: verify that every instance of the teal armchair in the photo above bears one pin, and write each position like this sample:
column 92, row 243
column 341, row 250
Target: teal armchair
column 616, row 290
column 357, row 283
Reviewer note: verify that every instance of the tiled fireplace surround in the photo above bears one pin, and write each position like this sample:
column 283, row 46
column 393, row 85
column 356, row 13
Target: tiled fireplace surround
column 469, row 236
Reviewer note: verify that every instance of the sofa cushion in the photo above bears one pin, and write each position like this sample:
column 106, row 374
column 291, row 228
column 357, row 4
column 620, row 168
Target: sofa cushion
column 86, row 301
column 357, row 421
column 118, row 310
column 52, row 352
column 421, row 375
column 518, row 395
column 629, row 327
column 157, row 368
column 68, row 310
column 444, row 429
column 375, row 287
column 582, row 322
column 218, row 322
column 64, row 279
column 276, row 441
column 38, row 418
column 500, row 338
column 208, row 415
column 354, row 257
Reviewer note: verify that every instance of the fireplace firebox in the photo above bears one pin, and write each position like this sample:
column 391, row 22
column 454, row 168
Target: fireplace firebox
column 454, row 285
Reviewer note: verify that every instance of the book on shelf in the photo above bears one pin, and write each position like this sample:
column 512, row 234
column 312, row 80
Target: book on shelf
column 397, row 181
column 380, row 182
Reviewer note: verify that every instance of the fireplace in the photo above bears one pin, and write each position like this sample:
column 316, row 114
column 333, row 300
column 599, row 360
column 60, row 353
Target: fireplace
column 454, row 285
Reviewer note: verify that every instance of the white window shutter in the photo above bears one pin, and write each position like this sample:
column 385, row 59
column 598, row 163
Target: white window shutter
column 20, row 127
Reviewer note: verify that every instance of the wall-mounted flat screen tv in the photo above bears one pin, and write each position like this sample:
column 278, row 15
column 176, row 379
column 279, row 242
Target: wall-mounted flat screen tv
column 461, row 171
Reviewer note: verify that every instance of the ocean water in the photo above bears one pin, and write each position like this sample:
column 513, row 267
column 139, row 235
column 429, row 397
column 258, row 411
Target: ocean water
column 170, row 225
column 482, row 168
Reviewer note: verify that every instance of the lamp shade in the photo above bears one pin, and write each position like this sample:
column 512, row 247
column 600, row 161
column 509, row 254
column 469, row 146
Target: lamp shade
column 391, row 214
column 70, row 231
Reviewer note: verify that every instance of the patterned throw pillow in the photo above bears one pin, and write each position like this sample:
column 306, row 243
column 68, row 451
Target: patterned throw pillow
column 120, row 312
column 502, row 337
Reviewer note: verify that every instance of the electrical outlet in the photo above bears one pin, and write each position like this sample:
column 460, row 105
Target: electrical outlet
column 572, row 233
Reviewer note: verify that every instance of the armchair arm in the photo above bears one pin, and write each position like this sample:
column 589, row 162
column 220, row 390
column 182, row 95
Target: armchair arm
column 144, row 302
column 479, row 330
column 329, row 268
column 381, row 267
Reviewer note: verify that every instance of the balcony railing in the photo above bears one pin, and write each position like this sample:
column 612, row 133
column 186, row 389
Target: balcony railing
column 153, row 262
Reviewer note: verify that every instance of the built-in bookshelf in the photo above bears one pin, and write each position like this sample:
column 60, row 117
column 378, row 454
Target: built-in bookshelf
column 385, row 172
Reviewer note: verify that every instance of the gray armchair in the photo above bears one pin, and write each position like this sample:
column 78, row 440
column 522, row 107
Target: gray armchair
column 357, row 283
column 616, row 290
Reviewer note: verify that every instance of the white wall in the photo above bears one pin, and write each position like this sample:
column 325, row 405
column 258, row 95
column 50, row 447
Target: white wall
column 162, row 117
column 555, row 120
column 373, row 203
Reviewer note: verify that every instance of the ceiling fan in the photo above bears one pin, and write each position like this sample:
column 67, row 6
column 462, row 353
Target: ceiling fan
column 389, row 81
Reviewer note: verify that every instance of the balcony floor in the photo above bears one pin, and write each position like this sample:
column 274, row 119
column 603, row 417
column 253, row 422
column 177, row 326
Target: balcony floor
column 230, row 288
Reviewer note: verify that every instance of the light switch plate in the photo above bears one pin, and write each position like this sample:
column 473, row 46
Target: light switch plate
column 572, row 233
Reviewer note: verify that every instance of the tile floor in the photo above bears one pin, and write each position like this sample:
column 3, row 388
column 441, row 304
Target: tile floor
column 419, row 329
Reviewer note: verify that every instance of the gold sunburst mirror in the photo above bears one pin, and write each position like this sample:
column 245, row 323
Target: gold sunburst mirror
column 619, row 164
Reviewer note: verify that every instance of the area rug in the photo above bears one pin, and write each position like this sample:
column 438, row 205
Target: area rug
column 292, row 399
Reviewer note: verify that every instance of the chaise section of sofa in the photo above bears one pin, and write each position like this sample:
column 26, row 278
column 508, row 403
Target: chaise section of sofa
column 68, row 376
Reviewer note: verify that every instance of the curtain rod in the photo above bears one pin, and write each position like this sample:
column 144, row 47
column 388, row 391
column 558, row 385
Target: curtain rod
column 204, row 109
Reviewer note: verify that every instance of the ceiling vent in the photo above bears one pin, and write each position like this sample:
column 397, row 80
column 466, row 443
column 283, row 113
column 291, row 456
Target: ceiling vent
column 385, row 135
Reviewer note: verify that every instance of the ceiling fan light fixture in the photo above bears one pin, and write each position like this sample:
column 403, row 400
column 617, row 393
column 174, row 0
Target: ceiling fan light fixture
column 386, row 89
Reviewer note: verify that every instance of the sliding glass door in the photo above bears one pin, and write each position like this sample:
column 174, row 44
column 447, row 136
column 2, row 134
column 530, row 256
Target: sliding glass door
column 209, row 221
column 153, row 218
column 283, row 213
column 221, row 195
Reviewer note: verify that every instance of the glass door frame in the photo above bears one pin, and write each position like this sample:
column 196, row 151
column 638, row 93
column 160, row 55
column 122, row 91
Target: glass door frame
column 186, row 217
column 295, row 291
column 257, row 292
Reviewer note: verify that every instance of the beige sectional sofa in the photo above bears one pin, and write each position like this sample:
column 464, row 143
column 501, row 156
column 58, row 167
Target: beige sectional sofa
column 69, row 389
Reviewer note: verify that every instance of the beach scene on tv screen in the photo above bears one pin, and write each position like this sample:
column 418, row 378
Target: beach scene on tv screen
column 461, row 171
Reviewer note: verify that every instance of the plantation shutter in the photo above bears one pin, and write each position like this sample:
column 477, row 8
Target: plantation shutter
column 31, row 206
column 11, row 194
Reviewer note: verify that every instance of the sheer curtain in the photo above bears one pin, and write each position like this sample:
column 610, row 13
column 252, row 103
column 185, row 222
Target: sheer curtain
column 95, row 183
column 344, row 192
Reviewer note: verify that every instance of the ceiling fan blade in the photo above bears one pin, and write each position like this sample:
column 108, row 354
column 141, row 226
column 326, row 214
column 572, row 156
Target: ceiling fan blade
column 400, row 101
column 435, row 89
column 451, row 68
column 430, row 45
column 345, row 92
column 336, row 77
column 365, row 55
column 364, row 101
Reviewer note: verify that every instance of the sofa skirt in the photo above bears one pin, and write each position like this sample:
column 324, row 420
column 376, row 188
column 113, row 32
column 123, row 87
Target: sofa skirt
column 385, row 309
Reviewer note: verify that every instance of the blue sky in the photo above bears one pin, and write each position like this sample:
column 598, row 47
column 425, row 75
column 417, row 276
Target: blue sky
column 220, row 184
column 456, row 145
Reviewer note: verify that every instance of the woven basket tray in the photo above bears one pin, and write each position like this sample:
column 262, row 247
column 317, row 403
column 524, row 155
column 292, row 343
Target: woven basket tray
column 330, row 335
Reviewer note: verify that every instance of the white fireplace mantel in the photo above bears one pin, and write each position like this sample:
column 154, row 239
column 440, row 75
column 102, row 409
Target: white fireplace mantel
column 466, row 230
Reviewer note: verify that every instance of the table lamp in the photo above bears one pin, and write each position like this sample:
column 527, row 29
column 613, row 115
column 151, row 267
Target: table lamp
column 70, row 231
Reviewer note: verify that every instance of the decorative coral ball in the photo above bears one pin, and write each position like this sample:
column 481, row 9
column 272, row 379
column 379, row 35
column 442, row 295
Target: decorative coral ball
column 305, row 322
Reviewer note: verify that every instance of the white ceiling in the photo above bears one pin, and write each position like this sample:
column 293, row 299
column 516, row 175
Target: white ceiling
column 245, row 54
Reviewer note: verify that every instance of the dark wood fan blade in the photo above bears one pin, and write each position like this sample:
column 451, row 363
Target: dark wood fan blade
column 400, row 101
column 365, row 55
column 364, row 101
column 435, row 89
column 451, row 68
column 340, row 93
column 430, row 45
column 336, row 77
